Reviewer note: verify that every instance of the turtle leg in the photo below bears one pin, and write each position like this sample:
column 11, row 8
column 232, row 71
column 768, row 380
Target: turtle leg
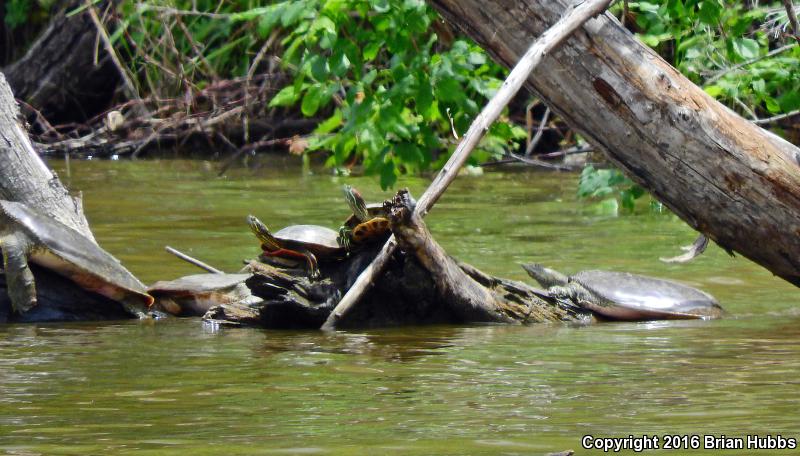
column 134, row 306
column 344, row 238
column 313, row 267
column 19, row 278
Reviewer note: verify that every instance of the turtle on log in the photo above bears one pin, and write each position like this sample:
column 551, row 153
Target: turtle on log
column 310, row 243
column 26, row 235
column 625, row 296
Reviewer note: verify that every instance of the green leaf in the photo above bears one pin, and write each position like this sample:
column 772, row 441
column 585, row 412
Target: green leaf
column 269, row 20
column 746, row 48
column 449, row 89
column 323, row 23
column 772, row 105
column 710, row 11
column 339, row 64
column 286, row 97
column 331, row 123
column 789, row 101
column 312, row 100
column 292, row 13
column 388, row 174
column 381, row 6
column 318, row 67
column 371, row 50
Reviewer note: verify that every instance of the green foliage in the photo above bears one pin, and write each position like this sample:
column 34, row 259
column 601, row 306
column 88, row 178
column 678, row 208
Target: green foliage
column 377, row 73
column 382, row 83
column 705, row 38
column 22, row 12
column 17, row 12
column 608, row 183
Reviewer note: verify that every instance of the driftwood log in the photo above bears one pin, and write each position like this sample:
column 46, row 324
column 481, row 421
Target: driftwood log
column 540, row 47
column 421, row 285
column 23, row 175
column 25, row 178
column 723, row 175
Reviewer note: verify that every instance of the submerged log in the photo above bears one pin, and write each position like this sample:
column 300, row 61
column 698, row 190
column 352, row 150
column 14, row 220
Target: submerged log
column 723, row 175
column 421, row 285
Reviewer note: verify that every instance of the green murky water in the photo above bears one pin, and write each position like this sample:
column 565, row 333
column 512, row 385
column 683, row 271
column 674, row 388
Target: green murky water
column 178, row 387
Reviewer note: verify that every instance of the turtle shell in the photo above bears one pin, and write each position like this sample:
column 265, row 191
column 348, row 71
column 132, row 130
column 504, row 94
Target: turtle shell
column 374, row 210
column 194, row 295
column 319, row 240
column 635, row 297
column 69, row 253
column 198, row 283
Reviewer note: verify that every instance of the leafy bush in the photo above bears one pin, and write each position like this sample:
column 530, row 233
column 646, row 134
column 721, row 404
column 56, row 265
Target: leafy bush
column 383, row 83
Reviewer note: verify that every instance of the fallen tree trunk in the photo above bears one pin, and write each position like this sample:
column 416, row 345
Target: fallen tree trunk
column 723, row 175
column 23, row 175
column 63, row 75
column 26, row 179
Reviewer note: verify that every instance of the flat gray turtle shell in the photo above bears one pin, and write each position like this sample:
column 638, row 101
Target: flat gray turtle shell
column 318, row 239
column 198, row 283
column 69, row 253
column 636, row 296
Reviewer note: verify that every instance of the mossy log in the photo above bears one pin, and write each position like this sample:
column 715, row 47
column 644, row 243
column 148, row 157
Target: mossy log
column 421, row 285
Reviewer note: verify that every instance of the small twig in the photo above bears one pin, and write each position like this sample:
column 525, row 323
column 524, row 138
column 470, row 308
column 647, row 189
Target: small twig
column 570, row 151
column 539, row 132
column 539, row 163
column 769, row 120
column 624, row 12
column 552, row 37
column 746, row 109
column 452, row 125
column 738, row 66
column 250, row 73
column 130, row 88
column 193, row 261
column 792, row 16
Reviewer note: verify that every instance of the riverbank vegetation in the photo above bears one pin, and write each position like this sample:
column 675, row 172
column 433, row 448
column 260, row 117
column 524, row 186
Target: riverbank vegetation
column 381, row 87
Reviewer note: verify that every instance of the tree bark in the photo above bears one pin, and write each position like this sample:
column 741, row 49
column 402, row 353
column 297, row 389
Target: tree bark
column 723, row 175
column 63, row 74
column 23, row 175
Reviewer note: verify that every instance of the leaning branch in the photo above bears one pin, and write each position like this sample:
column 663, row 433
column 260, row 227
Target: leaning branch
column 570, row 22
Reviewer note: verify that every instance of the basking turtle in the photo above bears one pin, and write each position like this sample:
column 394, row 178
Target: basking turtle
column 26, row 235
column 367, row 223
column 625, row 296
column 304, row 242
column 193, row 295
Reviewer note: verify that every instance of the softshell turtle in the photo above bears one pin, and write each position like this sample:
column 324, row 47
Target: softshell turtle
column 305, row 242
column 193, row 295
column 625, row 296
column 369, row 222
column 26, row 235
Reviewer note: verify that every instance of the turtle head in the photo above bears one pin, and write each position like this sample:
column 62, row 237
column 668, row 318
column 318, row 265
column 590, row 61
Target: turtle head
column 262, row 233
column 356, row 203
column 545, row 276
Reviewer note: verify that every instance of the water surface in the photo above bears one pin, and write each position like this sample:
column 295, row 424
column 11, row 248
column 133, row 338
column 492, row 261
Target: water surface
column 179, row 387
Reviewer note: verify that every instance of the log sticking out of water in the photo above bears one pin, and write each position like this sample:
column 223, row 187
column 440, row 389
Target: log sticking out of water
column 421, row 285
